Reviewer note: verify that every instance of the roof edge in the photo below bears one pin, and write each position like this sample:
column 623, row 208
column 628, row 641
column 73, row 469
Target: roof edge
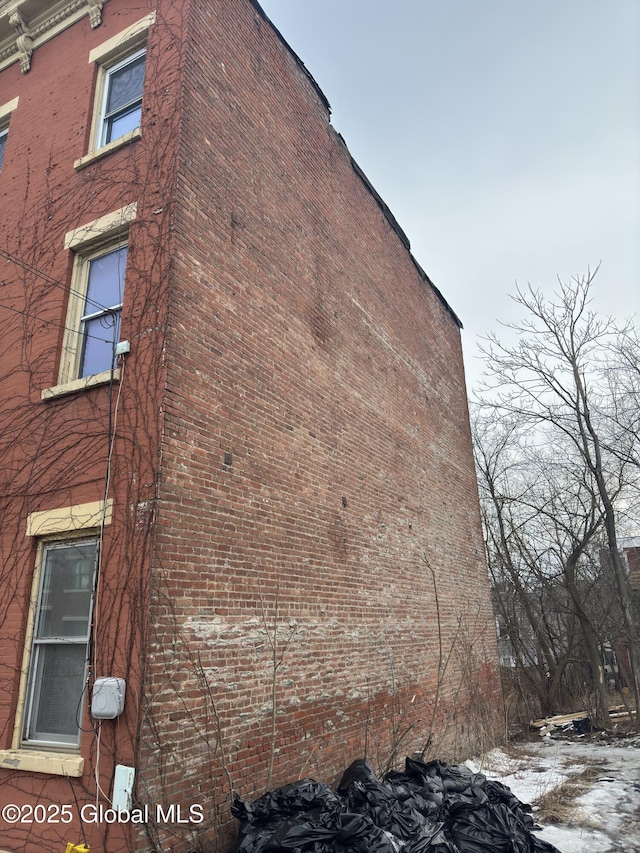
column 303, row 67
column 393, row 222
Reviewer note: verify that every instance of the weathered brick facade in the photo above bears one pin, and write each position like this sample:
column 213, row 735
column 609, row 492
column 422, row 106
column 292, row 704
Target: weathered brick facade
column 292, row 571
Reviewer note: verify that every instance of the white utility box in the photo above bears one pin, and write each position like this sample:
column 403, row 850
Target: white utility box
column 107, row 700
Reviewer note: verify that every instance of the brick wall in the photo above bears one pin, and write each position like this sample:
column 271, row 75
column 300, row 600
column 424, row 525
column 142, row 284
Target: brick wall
column 55, row 453
column 318, row 531
column 295, row 512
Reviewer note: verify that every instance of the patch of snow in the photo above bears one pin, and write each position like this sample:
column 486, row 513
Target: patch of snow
column 570, row 839
column 606, row 819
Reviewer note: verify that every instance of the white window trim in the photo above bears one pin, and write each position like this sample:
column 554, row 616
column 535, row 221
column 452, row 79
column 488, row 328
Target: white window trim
column 101, row 230
column 109, row 71
column 32, row 692
column 64, row 388
column 107, row 55
column 99, row 235
column 4, row 133
column 68, row 519
column 5, row 117
column 80, row 519
column 123, row 42
column 6, row 110
column 74, row 336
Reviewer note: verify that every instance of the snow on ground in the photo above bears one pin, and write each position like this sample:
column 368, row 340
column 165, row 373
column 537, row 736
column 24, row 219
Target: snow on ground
column 606, row 819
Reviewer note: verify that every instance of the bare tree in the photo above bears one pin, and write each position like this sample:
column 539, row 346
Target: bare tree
column 559, row 384
column 541, row 519
column 622, row 375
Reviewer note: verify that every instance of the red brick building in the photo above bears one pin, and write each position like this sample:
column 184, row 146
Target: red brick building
column 236, row 477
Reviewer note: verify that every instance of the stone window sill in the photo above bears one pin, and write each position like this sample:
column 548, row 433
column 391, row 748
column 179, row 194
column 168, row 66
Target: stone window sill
column 55, row 763
column 99, row 153
column 80, row 384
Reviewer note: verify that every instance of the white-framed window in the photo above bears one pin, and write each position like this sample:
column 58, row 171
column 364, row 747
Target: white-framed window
column 117, row 108
column 57, row 664
column 5, row 115
column 59, row 615
column 3, row 143
column 100, row 280
column 121, row 108
column 94, row 310
column 92, row 327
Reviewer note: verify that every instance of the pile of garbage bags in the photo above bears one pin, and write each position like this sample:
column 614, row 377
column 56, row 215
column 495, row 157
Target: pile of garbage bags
column 430, row 807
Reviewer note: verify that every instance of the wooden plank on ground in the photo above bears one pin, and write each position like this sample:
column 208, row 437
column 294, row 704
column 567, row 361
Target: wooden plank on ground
column 560, row 719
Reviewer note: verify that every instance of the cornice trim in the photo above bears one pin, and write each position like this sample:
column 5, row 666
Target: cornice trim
column 20, row 36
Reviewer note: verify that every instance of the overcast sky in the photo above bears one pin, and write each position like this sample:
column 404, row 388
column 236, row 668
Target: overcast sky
column 503, row 135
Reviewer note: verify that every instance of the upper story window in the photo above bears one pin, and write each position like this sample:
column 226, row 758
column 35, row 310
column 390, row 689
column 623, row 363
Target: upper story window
column 5, row 115
column 122, row 104
column 117, row 110
column 3, row 144
column 101, row 280
column 94, row 310
column 92, row 326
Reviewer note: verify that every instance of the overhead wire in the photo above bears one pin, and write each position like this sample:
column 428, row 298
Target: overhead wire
column 58, row 325
column 13, row 259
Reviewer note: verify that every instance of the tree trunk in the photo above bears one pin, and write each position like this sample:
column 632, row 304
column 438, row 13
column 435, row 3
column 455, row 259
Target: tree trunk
column 593, row 649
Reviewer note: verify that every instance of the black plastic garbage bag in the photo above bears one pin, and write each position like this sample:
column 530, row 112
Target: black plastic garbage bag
column 434, row 789
column 499, row 793
column 428, row 803
column 380, row 802
column 429, row 808
column 397, row 807
column 495, row 829
column 583, row 726
column 358, row 771
column 353, row 833
column 265, row 821
column 432, row 840
column 293, row 799
column 330, row 833
column 490, row 828
column 452, row 779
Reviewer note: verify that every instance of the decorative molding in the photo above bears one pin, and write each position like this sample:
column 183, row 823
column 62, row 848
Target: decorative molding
column 54, row 19
column 24, row 42
column 95, row 12
column 25, row 26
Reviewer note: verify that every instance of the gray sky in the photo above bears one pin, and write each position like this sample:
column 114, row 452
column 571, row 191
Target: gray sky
column 503, row 135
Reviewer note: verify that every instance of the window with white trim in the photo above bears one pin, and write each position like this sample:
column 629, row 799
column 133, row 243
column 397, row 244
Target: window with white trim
column 5, row 116
column 102, row 277
column 94, row 310
column 57, row 665
column 117, row 110
column 3, row 143
column 94, row 314
column 121, row 109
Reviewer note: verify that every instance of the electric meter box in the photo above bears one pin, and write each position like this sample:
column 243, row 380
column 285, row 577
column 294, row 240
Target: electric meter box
column 107, row 700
